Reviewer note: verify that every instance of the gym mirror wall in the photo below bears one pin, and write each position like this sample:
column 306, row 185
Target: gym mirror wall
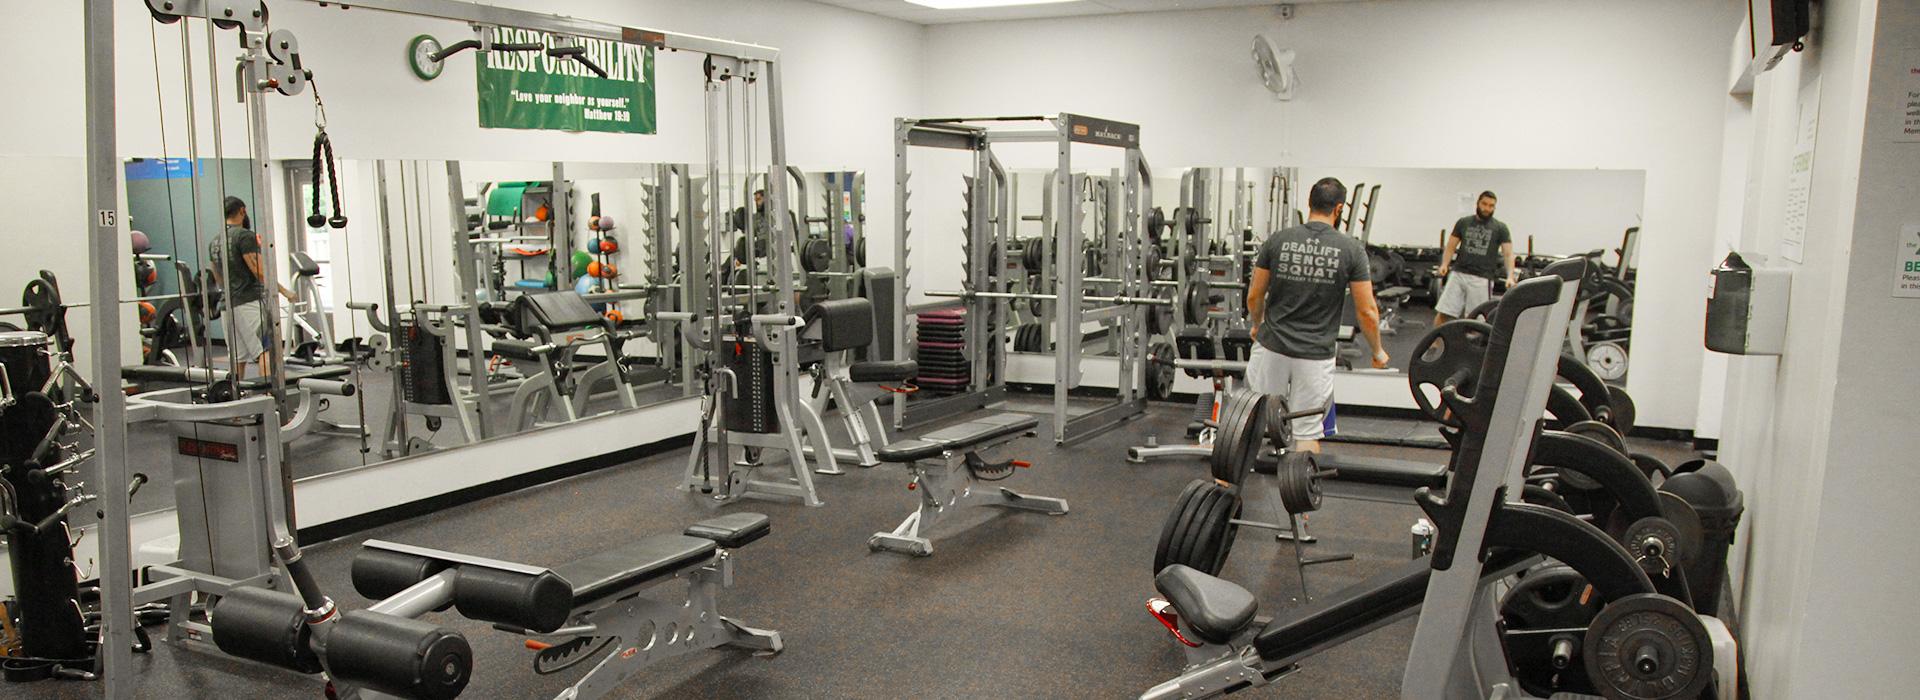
column 1405, row 216
column 554, row 288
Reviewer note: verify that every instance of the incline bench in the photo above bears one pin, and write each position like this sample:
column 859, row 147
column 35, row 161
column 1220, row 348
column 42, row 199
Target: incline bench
column 946, row 464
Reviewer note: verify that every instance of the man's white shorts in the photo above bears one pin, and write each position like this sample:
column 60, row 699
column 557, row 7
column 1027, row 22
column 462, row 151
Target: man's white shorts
column 1463, row 293
column 1303, row 383
column 249, row 322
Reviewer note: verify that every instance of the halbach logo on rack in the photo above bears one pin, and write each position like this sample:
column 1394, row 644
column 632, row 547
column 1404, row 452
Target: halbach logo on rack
column 533, row 90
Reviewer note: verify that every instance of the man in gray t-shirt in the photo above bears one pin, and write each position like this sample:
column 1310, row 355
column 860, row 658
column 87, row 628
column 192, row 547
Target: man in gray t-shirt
column 1479, row 250
column 1301, row 279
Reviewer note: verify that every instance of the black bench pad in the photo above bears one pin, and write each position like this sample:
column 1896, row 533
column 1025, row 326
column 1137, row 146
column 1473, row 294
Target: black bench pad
column 957, row 437
column 883, row 371
column 1387, row 472
column 731, row 531
column 645, row 560
column 1216, row 610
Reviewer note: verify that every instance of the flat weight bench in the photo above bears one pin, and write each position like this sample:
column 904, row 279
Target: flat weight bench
column 595, row 602
column 844, row 324
column 955, row 480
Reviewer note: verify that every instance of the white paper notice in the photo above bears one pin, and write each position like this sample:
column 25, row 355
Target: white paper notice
column 1793, row 236
column 1906, row 263
column 1907, row 97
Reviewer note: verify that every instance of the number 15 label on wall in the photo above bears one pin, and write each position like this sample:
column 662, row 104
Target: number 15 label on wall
column 1906, row 272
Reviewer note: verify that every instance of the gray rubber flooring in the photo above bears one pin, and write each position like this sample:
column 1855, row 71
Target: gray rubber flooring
column 1010, row 605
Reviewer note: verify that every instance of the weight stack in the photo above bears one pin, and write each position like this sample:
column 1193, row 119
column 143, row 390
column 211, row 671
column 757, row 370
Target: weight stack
column 422, row 378
column 750, row 410
column 940, row 349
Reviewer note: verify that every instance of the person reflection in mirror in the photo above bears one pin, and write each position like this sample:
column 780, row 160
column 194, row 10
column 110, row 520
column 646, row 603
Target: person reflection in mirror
column 1301, row 279
column 1479, row 249
column 237, row 268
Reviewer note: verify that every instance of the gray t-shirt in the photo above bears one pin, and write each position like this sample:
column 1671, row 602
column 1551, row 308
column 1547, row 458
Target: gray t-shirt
column 230, row 252
column 1311, row 266
column 1479, row 249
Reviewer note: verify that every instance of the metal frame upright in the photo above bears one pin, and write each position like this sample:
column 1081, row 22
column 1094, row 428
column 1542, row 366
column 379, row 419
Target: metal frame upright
column 262, row 69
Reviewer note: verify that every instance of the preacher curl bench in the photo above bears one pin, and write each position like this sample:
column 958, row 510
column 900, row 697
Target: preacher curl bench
column 946, row 465
column 594, row 603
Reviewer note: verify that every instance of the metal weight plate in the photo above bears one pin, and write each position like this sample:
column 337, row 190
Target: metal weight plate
column 1223, row 460
column 42, row 300
column 1160, row 375
column 1160, row 316
column 1156, row 224
column 1451, row 353
column 1655, row 543
column 1608, row 360
column 1599, row 431
column 1151, row 267
column 1175, row 521
column 1648, row 647
column 1299, row 482
column 1549, row 597
column 1279, row 429
column 1380, row 263
column 1198, row 299
column 1686, row 522
column 1030, row 255
column 1623, row 411
column 1253, row 406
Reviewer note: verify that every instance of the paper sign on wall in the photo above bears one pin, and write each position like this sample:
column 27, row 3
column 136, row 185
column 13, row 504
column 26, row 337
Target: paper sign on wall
column 1793, row 236
column 1907, row 97
column 1906, row 263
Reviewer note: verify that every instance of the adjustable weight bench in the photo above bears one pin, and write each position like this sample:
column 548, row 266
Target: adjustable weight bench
column 955, row 480
column 595, row 602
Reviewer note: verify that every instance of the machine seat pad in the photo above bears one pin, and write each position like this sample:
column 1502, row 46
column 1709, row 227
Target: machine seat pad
column 562, row 311
column 643, row 561
column 883, row 370
column 957, row 437
column 732, row 531
column 844, row 324
column 1215, row 609
column 514, row 349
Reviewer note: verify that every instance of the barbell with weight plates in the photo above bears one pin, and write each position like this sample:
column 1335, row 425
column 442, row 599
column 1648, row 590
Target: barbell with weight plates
column 816, row 255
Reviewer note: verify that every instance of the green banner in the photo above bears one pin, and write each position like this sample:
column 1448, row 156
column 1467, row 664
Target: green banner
column 531, row 90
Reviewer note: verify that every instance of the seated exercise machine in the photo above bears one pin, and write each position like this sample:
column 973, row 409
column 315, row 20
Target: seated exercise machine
column 1643, row 642
column 599, row 606
column 946, row 466
column 550, row 328
column 415, row 345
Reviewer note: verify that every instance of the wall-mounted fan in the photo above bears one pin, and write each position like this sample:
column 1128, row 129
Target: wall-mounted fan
column 1276, row 68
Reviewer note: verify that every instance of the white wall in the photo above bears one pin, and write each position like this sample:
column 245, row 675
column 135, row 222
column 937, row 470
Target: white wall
column 1819, row 435
column 1462, row 84
column 1564, row 212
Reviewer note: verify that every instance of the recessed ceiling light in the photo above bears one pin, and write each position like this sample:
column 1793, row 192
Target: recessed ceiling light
column 970, row 4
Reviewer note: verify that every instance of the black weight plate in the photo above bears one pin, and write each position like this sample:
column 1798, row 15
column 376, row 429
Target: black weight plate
column 1381, row 265
column 1180, row 548
column 816, row 255
column 1160, row 316
column 1450, row 351
column 1220, row 460
column 1175, row 520
column 1683, row 651
column 1030, row 255
column 1598, row 431
column 1159, row 375
column 1299, row 489
column 1622, row 413
column 1549, row 597
column 1214, row 527
column 1686, row 522
column 1279, row 430
column 1151, row 268
column 1198, row 299
column 1593, row 391
column 1564, row 408
column 1189, row 547
column 1254, row 406
column 1223, row 545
